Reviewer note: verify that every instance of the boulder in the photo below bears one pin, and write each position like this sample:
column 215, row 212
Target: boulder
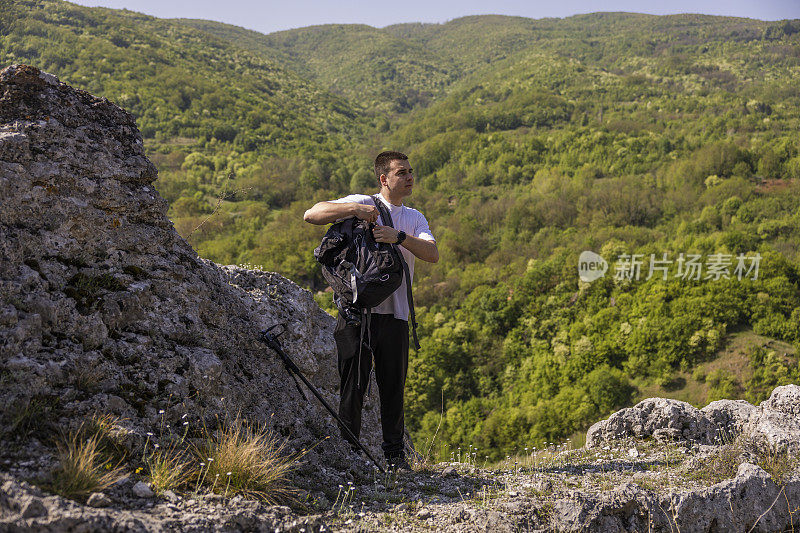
column 105, row 308
column 683, row 421
column 729, row 416
column 775, row 422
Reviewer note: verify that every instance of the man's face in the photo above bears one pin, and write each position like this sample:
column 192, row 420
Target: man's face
column 400, row 178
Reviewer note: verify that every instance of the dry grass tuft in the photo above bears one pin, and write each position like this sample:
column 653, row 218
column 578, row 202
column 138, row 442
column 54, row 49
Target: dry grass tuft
column 83, row 468
column 776, row 462
column 722, row 464
column 247, row 460
column 104, row 428
column 169, row 469
column 725, row 461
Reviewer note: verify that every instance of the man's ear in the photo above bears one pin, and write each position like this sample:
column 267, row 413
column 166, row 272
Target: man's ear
column 382, row 180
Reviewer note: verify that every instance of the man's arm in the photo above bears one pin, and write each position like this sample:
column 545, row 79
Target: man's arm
column 421, row 248
column 326, row 212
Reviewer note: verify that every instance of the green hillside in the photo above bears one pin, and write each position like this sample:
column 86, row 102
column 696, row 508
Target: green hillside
column 177, row 81
column 375, row 70
column 688, row 146
column 533, row 141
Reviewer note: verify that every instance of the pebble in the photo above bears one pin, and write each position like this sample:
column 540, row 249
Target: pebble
column 401, row 507
column 143, row 490
column 34, row 508
column 449, row 471
column 98, row 499
column 424, row 513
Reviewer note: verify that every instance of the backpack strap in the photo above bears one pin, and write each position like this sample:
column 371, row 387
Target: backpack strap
column 387, row 219
column 366, row 318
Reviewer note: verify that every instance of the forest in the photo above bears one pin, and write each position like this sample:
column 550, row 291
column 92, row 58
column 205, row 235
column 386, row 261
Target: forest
column 532, row 141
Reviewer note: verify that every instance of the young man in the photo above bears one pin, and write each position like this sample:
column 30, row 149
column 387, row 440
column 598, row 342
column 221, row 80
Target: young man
column 389, row 323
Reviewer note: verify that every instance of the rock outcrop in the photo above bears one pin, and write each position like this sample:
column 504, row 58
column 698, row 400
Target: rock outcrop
column 776, row 421
column 747, row 502
column 105, row 308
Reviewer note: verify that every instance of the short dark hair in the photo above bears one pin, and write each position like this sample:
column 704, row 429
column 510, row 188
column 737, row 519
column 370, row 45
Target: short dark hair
column 384, row 159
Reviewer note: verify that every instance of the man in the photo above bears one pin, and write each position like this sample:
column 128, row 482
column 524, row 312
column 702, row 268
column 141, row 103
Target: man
column 389, row 324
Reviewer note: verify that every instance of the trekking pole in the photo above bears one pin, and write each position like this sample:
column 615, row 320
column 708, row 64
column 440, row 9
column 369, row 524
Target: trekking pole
column 271, row 339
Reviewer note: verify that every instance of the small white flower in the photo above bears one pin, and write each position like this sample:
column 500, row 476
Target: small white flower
column 186, row 423
column 161, row 411
column 149, row 434
column 228, row 474
column 184, row 415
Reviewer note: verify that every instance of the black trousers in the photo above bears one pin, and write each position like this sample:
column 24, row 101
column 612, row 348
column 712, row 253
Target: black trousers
column 388, row 344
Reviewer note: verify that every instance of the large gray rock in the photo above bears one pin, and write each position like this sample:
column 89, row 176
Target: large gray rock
column 776, row 422
column 105, row 308
column 744, row 503
column 729, row 416
column 650, row 416
column 785, row 399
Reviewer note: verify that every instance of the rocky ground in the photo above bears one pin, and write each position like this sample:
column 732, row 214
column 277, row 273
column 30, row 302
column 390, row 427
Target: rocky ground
column 627, row 485
column 105, row 310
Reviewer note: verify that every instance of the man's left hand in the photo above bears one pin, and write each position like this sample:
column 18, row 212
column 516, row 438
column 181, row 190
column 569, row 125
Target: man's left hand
column 385, row 234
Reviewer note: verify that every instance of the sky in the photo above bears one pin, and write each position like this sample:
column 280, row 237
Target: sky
column 271, row 15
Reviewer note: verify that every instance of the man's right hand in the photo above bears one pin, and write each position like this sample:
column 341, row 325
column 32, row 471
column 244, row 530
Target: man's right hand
column 365, row 212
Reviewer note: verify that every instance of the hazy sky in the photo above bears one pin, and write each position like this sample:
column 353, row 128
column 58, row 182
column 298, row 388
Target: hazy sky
column 268, row 16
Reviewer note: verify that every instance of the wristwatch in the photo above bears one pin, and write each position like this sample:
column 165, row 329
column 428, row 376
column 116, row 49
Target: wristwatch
column 401, row 236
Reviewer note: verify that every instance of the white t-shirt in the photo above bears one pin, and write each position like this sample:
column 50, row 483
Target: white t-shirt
column 413, row 223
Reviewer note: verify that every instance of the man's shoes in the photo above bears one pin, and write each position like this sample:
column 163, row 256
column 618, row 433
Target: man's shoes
column 398, row 464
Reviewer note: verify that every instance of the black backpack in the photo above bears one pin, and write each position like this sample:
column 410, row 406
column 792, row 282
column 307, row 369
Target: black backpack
column 361, row 271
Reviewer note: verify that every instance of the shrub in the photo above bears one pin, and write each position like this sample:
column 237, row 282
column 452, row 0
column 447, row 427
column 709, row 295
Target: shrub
column 722, row 385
